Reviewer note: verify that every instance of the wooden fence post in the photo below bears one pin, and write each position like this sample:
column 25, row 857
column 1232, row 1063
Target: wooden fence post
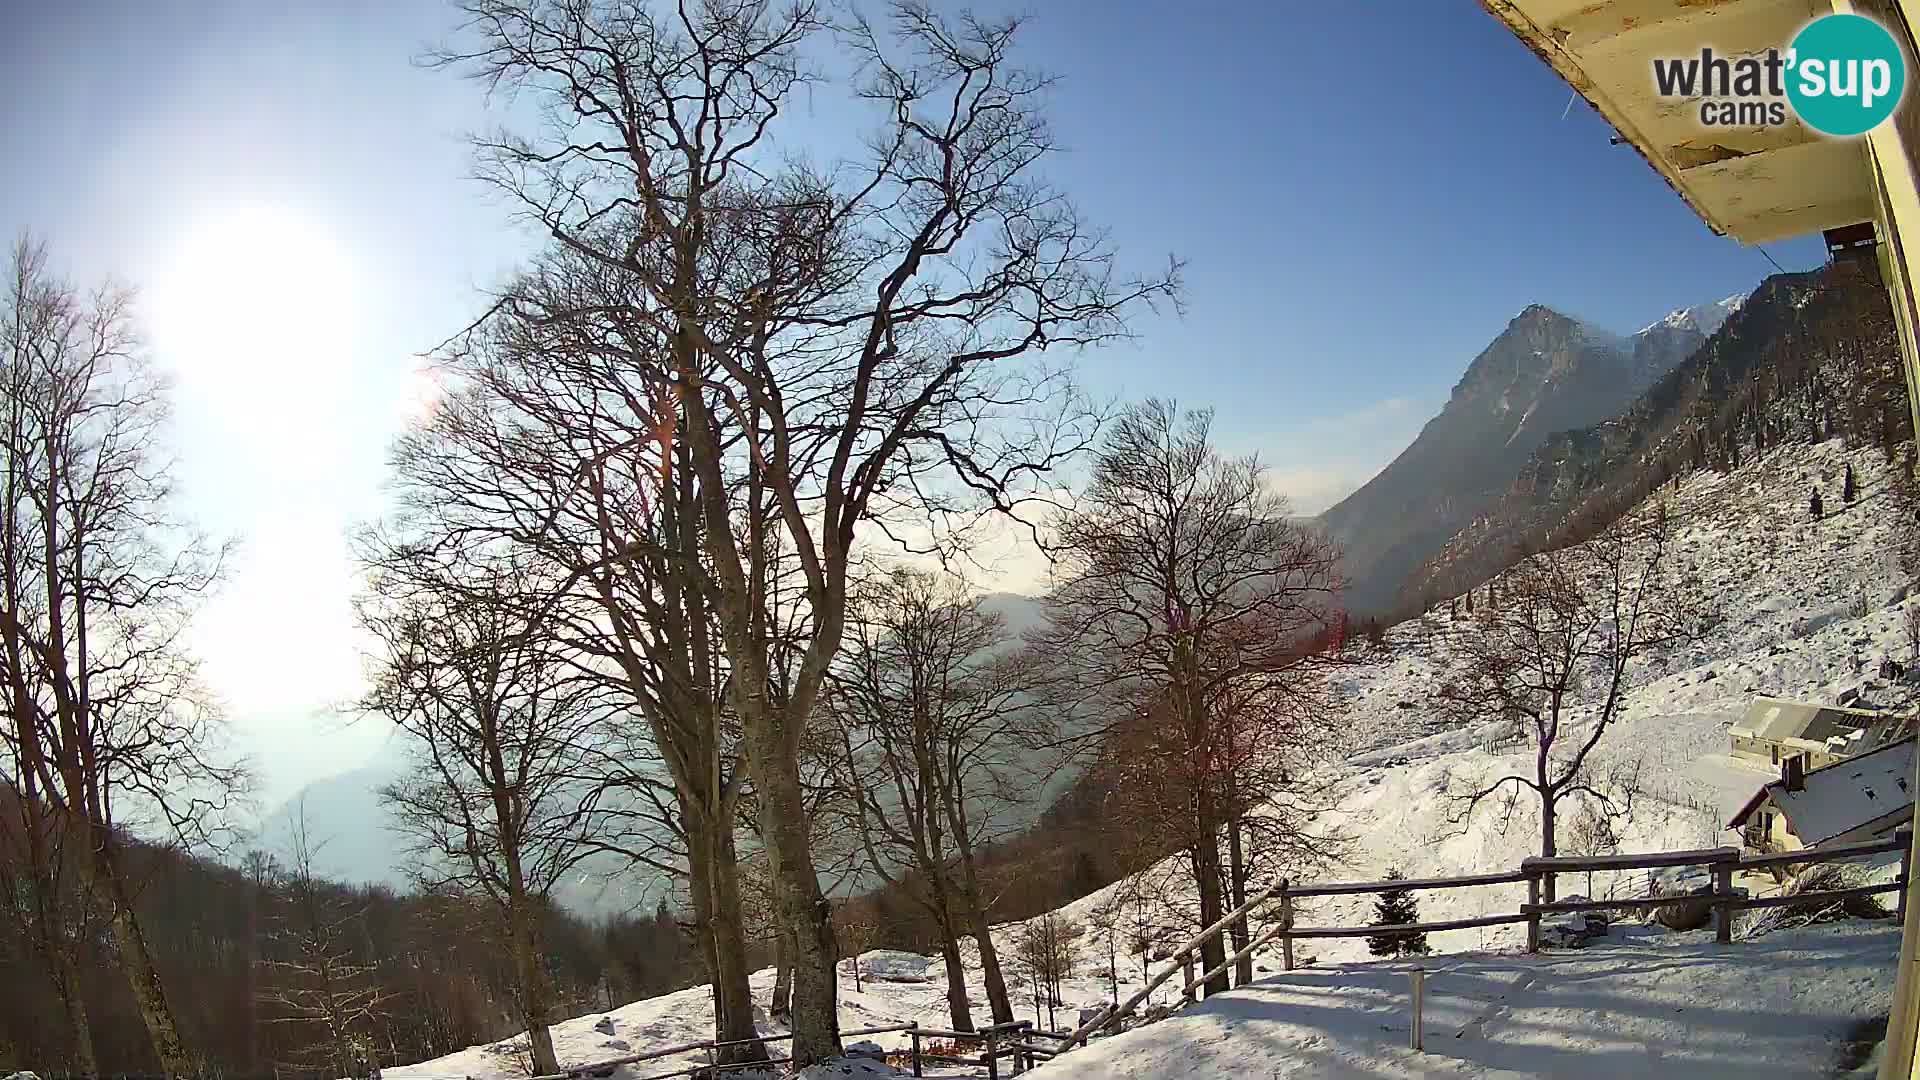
column 1286, row 923
column 1905, row 837
column 1723, row 908
column 993, row 1055
column 1186, row 975
column 914, row 1030
column 1532, row 911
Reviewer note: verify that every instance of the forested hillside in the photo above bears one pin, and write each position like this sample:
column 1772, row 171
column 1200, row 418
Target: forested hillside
column 265, row 962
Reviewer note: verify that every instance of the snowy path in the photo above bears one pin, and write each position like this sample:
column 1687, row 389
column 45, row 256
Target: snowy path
column 1673, row 1005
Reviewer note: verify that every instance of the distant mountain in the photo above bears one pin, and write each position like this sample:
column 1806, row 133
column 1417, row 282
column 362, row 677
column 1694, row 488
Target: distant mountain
column 1546, row 372
column 1017, row 613
column 354, row 838
column 1807, row 357
column 359, row 841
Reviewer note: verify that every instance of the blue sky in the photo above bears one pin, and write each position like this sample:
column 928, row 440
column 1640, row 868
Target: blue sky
column 1365, row 193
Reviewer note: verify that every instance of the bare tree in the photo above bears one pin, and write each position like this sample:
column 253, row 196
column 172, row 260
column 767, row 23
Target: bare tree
column 941, row 746
column 1045, row 947
column 1108, row 919
column 319, row 986
column 109, row 727
column 857, row 933
column 1555, row 656
column 844, row 339
column 542, row 447
column 496, row 801
column 1192, row 613
column 1593, row 831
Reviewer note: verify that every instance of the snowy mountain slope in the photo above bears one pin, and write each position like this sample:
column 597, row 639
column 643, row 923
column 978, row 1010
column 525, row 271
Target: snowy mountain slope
column 1703, row 318
column 1546, row 372
column 1806, row 355
column 1790, row 590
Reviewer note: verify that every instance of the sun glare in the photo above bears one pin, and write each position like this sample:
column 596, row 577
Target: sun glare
column 254, row 307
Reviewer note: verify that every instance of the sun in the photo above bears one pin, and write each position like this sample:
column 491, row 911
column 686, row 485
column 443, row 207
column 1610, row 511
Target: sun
column 253, row 307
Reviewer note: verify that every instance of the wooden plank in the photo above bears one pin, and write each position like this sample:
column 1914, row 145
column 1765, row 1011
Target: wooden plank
column 1563, row 907
column 1416, row 928
column 1531, row 909
column 1563, row 864
column 687, row 1048
column 1817, row 896
column 1107, row 1015
column 1723, row 910
column 1820, row 855
column 1416, row 884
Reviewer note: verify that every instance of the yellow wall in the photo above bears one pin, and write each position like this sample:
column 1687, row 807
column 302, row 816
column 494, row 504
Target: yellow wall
column 1892, row 150
column 1776, row 837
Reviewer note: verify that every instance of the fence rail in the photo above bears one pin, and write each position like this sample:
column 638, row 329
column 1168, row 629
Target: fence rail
column 1723, row 863
column 1012, row 1040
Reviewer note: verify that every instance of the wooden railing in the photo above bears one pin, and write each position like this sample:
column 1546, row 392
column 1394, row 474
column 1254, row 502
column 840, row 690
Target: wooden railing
column 1723, row 863
column 1013, row 1041
column 1018, row 1041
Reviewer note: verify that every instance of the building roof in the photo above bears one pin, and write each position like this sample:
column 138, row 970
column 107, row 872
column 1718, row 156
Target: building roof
column 1756, row 184
column 1814, row 727
column 1842, row 796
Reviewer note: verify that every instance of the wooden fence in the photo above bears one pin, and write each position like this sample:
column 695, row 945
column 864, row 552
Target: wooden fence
column 1723, row 863
column 1019, row 1042
column 1013, row 1041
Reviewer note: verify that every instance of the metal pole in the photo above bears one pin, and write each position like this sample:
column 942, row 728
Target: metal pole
column 1418, row 977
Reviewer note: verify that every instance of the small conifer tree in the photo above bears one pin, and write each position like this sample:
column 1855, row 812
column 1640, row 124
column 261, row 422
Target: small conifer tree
column 1814, row 504
column 1397, row 907
column 1848, row 487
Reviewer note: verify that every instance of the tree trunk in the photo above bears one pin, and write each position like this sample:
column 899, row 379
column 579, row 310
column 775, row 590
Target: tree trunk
column 1237, row 896
column 1206, row 872
column 713, row 884
column 958, row 1007
column 136, row 959
column 700, row 894
column 782, row 1004
column 1548, row 812
column 733, row 997
column 535, row 1005
column 73, row 999
column 998, row 1000
column 801, row 906
column 1549, row 808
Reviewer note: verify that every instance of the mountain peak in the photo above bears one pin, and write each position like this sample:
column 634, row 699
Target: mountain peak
column 1546, row 372
column 1702, row 318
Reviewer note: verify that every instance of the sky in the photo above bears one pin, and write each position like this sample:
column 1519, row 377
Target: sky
column 1364, row 193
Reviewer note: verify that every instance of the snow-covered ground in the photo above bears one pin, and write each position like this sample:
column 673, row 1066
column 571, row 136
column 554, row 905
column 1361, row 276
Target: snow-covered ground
column 1790, row 592
column 1657, row 1005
